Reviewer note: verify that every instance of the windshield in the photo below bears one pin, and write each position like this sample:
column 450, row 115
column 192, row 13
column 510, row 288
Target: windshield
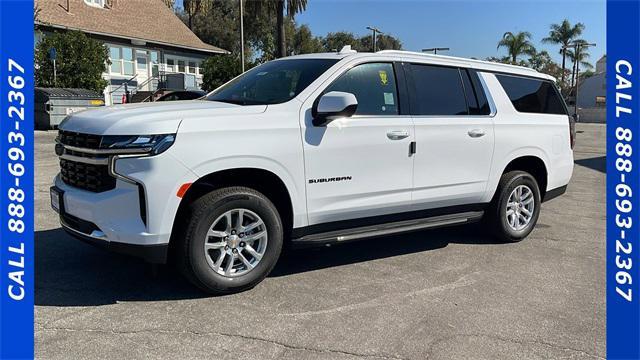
column 273, row 82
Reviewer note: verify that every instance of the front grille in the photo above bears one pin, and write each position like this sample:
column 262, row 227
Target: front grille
column 88, row 141
column 85, row 176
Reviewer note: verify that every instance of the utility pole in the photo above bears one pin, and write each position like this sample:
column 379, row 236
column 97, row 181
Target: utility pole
column 577, row 46
column 564, row 55
column 436, row 49
column 241, row 36
column 375, row 31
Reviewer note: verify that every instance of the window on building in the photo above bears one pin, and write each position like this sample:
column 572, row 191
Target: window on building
column 192, row 67
column 374, row 85
column 122, row 62
column 141, row 60
column 439, row 91
column 181, row 66
column 127, row 61
column 171, row 65
column 532, row 95
column 153, row 57
column 601, row 101
column 116, row 60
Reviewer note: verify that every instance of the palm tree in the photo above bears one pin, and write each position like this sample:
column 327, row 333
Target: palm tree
column 282, row 8
column 578, row 55
column 293, row 7
column 563, row 34
column 517, row 44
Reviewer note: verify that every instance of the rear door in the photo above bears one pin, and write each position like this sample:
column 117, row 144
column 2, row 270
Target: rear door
column 360, row 166
column 454, row 135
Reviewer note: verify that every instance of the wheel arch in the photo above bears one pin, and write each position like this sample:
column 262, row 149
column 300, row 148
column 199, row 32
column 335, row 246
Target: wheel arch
column 532, row 164
column 262, row 180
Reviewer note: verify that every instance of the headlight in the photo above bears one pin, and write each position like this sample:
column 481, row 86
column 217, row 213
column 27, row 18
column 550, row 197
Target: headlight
column 151, row 144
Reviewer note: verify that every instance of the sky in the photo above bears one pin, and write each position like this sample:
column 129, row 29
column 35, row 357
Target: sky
column 470, row 28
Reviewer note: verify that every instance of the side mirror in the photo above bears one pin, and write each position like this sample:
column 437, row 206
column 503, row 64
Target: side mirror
column 333, row 105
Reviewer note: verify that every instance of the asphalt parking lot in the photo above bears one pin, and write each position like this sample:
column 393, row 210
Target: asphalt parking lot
column 443, row 294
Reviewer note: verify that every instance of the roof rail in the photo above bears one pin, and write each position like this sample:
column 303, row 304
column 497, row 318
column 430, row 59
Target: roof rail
column 415, row 53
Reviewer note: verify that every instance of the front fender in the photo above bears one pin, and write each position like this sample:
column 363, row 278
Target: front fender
column 296, row 190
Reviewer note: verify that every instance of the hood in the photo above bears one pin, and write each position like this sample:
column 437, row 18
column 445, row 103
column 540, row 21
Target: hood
column 150, row 118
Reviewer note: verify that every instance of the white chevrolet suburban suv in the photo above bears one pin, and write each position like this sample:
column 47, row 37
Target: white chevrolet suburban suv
column 314, row 149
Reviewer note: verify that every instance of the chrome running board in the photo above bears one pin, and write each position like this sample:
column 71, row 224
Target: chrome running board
column 372, row 231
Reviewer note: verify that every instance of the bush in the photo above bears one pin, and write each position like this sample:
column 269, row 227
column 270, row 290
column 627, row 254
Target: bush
column 80, row 61
column 217, row 70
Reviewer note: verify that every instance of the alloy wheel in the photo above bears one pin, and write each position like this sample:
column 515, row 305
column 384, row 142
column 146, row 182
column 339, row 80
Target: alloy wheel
column 235, row 242
column 520, row 207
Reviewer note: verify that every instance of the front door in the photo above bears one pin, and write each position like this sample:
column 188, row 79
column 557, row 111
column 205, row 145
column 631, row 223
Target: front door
column 142, row 69
column 360, row 166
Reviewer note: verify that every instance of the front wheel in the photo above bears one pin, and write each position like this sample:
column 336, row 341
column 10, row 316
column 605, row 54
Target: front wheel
column 232, row 241
column 514, row 211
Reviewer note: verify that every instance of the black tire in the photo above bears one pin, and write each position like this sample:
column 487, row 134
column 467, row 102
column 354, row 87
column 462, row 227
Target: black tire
column 496, row 213
column 203, row 212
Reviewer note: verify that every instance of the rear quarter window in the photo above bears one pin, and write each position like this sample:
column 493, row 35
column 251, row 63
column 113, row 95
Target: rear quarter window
column 532, row 95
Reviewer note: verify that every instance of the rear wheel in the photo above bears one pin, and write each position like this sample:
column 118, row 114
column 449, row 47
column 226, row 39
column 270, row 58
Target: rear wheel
column 514, row 211
column 232, row 241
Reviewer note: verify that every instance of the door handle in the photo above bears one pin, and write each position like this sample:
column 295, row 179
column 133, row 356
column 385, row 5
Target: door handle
column 476, row 133
column 397, row 134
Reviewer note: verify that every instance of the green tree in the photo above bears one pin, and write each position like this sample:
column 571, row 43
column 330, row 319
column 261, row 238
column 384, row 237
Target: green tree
column 80, row 61
column 192, row 8
column 293, row 7
column 517, row 44
column 383, row 42
column 563, row 34
column 539, row 60
column 542, row 62
column 283, row 9
column 219, row 25
column 336, row 40
column 503, row 60
column 217, row 70
column 302, row 40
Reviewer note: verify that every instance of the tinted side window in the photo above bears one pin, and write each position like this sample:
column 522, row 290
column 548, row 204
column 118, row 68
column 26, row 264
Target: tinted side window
column 532, row 95
column 439, row 91
column 478, row 91
column 374, row 85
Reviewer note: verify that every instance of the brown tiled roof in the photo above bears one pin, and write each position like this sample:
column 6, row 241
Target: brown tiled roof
column 148, row 20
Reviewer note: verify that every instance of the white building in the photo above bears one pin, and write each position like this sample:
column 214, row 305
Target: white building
column 150, row 48
column 592, row 91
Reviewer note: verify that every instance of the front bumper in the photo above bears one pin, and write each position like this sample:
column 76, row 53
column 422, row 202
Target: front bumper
column 96, row 216
column 136, row 217
column 155, row 254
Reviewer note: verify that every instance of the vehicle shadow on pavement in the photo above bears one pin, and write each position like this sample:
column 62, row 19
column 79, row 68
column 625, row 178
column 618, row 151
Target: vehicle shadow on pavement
column 598, row 163
column 303, row 260
column 69, row 272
